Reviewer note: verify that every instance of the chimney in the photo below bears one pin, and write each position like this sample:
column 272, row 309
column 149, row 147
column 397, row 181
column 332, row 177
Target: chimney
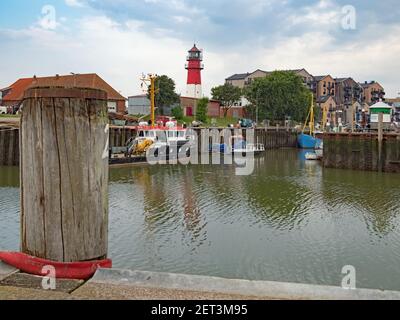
column 57, row 76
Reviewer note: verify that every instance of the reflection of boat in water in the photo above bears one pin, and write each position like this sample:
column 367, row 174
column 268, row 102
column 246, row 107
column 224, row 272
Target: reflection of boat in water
column 309, row 141
column 238, row 145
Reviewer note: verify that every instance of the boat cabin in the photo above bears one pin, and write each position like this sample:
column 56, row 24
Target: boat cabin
column 162, row 134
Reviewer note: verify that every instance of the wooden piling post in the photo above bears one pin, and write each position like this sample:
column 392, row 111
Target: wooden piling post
column 380, row 140
column 2, row 146
column 11, row 148
column 64, row 174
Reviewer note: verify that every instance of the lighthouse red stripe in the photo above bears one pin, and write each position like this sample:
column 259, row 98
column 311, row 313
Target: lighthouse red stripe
column 194, row 72
column 194, row 77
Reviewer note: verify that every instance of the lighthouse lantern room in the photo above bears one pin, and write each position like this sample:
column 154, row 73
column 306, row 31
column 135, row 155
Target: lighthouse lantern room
column 194, row 67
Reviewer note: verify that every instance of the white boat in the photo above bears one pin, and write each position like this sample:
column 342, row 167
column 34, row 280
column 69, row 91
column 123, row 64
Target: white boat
column 250, row 148
column 311, row 156
column 318, row 153
column 240, row 146
column 237, row 145
column 163, row 138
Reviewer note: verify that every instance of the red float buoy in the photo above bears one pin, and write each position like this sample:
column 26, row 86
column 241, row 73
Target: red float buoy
column 73, row 270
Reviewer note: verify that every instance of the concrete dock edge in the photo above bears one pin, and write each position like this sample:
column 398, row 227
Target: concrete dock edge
column 257, row 289
column 6, row 270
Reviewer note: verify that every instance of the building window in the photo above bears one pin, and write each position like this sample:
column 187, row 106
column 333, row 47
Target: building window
column 112, row 106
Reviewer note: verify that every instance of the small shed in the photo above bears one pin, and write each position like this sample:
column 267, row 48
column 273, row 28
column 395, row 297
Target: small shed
column 387, row 112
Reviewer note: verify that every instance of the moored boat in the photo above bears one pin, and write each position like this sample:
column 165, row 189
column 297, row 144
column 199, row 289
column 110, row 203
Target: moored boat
column 238, row 145
column 311, row 156
column 309, row 141
column 169, row 139
column 306, row 141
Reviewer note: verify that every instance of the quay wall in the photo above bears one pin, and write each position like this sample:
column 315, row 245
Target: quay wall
column 272, row 137
column 356, row 151
column 360, row 151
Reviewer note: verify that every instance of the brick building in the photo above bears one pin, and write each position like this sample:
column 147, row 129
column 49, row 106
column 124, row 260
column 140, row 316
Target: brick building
column 373, row 92
column 12, row 96
column 189, row 106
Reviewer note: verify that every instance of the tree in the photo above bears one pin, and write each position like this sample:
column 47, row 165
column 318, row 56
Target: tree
column 279, row 95
column 202, row 108
column 177, row 113
column 165, row 93
column 227, row 94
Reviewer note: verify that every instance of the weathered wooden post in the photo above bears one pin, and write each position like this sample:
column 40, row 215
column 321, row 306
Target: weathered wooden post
column 380, row 140
column 2, row 146
column 64, row 174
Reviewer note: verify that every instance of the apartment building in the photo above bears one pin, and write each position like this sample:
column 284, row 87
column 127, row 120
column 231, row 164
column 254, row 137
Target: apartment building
column 373, row 92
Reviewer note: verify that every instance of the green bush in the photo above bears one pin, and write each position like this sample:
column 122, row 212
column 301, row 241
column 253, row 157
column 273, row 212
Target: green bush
column 177, row 113
column 202, row 109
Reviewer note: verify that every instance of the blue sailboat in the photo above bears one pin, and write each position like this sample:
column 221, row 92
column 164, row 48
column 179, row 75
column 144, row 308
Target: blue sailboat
column 309, row 141
column 306, row 141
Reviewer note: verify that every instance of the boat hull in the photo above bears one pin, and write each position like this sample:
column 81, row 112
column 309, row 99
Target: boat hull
column 306, row 141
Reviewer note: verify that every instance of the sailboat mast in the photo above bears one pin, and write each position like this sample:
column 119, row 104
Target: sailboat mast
column 312, row 118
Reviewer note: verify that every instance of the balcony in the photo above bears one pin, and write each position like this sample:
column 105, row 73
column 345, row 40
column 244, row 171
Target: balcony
column 201, row 66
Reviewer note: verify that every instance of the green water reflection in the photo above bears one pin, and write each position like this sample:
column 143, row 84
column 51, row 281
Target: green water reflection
column 291, row 220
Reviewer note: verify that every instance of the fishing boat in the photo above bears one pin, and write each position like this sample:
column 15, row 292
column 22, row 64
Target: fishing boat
column 309, row 141
column 167, row 139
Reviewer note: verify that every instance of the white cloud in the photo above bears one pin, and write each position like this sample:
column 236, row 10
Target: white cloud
column 121, row 52
column 325, row 14
column 74, row 3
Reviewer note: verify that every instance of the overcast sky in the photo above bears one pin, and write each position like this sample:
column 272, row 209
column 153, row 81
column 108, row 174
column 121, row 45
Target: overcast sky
column 121, row 39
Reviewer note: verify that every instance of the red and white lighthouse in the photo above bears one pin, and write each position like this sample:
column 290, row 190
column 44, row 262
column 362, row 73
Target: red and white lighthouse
column 194, row 67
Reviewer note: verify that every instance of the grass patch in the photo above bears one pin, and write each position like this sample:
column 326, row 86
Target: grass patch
column 10, row 116
column 218, row 122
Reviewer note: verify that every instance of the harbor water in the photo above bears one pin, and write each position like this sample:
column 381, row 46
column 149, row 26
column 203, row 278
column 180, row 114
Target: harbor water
column 291, row 221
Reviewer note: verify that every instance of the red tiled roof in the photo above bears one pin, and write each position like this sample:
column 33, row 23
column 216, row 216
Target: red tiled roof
column 17, row 89
column 92, row 81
